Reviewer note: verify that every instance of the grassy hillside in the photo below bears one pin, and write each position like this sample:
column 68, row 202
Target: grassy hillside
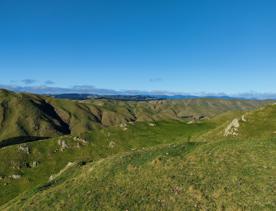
column 23, row 115
column 200, row 154
column 27, row 117
column 35, row 162
column 259, row 123
column 226, row 175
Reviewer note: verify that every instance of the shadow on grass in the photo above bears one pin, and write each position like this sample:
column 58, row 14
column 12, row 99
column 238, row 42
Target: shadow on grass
column 20, row 140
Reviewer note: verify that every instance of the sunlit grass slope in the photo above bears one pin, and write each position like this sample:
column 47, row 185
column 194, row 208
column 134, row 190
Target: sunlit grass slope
column 259, row 123
column 35, row 162
column 226, row 175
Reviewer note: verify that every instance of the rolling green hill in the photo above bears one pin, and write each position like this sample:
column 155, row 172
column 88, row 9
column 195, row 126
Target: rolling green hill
column 35, row 162
column 28, row 117
column 200, row 154
column 259, row 123
column 226, row 175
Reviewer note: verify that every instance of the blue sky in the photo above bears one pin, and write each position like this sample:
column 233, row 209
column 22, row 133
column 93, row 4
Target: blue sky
column 182, row 46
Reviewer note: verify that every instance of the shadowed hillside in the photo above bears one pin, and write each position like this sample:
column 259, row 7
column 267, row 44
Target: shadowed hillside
column 23, row 115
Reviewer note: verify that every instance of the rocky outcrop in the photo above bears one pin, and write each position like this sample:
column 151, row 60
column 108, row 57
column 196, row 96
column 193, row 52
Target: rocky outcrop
column 233, row 128
column 15, row 176
column 111, row 144
column 243, row 118
column 24, row 148
column 62, row 145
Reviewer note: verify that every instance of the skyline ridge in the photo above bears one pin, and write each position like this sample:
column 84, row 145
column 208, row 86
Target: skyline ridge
column 88, row 89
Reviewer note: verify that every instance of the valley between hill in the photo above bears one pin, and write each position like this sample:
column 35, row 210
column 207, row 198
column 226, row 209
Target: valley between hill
column 195, row 154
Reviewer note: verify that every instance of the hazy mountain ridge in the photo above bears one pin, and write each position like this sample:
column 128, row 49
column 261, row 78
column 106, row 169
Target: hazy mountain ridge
column 85, row 91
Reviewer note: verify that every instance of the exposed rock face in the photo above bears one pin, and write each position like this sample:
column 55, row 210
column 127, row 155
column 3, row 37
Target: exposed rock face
column 24, row 148
column 194, row 117
column 233, row 128
column 243, row 118
column 80, row 140
column 15, row 176
column 111, row 144
column 123, row 126
column 62, row 145
column 34, row 164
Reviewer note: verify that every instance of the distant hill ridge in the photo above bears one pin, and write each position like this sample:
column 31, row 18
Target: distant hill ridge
column 78, row 96
column 28, row 116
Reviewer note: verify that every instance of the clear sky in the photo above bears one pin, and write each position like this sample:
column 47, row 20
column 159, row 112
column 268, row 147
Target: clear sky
column 183, row 46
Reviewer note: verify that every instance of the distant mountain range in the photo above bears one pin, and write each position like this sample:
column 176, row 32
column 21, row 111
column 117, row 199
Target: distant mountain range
column 75, row 96
column 86, row 92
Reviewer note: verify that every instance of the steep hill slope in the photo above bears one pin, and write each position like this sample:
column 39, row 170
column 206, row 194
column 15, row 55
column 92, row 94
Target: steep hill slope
column 226, row 175
column 27, row 116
